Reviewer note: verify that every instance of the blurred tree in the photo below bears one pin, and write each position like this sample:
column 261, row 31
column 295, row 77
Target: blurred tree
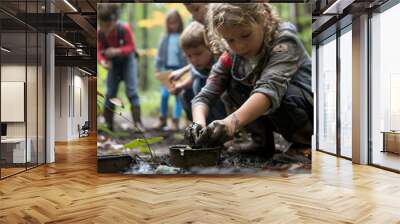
column 143, row 77
column 148, row 23
column 300, row 15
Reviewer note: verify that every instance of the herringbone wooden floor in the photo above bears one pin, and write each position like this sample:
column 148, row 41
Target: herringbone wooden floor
column 71, row 191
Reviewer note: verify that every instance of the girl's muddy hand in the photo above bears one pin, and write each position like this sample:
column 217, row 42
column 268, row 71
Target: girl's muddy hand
column 216, row 133
column 192, row 133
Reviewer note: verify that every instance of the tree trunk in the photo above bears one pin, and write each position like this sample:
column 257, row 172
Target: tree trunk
column 300, row 16
column 293, row 14
column 143, row 79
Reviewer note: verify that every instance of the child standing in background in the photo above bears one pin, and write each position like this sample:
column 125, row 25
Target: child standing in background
column 170, row 57
column 201, row 61
column 116, row 52
column 198, row 11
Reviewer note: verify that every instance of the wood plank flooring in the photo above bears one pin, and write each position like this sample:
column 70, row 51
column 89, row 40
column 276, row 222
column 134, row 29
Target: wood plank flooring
column 387, row 159
column 10, row 171
column 71, row 191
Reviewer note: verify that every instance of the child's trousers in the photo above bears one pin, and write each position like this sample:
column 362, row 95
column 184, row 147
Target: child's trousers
column 164, row 104
column 186, row 96
column 164, row 100
column 293, row 119
column 123, row 70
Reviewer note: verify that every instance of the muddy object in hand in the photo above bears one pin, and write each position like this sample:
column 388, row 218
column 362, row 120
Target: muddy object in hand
column 185, row 156
column 113, row 163
column 192, row 133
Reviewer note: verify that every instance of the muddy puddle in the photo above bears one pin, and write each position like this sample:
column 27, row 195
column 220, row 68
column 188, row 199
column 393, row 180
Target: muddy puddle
column 229, row 162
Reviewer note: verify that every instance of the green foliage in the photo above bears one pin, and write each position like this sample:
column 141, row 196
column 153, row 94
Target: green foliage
column 144, row 150
column 143, row 144
column 140, row 142
column 121, row 134
column 299, row 14
column 103, row 128
column 99, row 109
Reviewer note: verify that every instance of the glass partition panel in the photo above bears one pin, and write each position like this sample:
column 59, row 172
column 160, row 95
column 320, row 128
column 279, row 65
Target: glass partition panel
column 41, row 86
column 327, row 96
column 15, row 151
column 22, row 77
column 346, row 94
column 32, row 97
column 385, row 89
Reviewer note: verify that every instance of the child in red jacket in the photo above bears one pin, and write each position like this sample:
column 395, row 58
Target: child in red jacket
column 116, row 52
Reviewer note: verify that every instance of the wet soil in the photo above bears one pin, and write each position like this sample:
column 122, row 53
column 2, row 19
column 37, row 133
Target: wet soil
column 231, row 160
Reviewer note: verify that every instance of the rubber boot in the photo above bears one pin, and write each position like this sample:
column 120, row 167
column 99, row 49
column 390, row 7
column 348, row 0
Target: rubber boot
column 160, row 124
column 175, row 125
column 262, row 140
column 109, row 118
column 137, row 120
column 264, row 143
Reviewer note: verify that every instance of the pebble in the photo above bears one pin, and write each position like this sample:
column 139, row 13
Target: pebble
column 163, row 169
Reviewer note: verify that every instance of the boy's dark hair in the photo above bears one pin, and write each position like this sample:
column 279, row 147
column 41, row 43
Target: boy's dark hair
column 171, row 13
column 193, row 36
column 108, row 12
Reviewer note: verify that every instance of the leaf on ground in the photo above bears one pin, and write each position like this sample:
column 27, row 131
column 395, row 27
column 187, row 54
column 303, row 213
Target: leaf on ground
column 145, row 150
column 120, row 134
column 106, row 130
column 142, row 142
column 154, row 140
column 99, row 109
column 103, row 128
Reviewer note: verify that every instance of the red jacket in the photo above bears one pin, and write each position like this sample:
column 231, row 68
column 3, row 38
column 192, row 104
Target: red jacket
column 112, row 39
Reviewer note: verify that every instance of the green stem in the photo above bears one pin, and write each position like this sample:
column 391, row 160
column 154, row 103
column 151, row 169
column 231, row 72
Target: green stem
column 134, row 125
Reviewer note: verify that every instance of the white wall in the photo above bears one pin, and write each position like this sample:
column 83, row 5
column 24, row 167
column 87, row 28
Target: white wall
column 33, row 127
column 61, row 104
column 80, row 110
column 71, row 94
column 12, row 73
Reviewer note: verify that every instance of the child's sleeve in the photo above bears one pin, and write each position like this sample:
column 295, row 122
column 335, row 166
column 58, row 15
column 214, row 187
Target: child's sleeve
column 158, row 60
column 129, row 46
column 100, row 48
column 216, row 83
column 182, row 58
column 284, row 61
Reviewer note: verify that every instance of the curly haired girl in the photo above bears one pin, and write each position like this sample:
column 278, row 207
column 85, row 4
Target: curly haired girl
column 266, row 73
